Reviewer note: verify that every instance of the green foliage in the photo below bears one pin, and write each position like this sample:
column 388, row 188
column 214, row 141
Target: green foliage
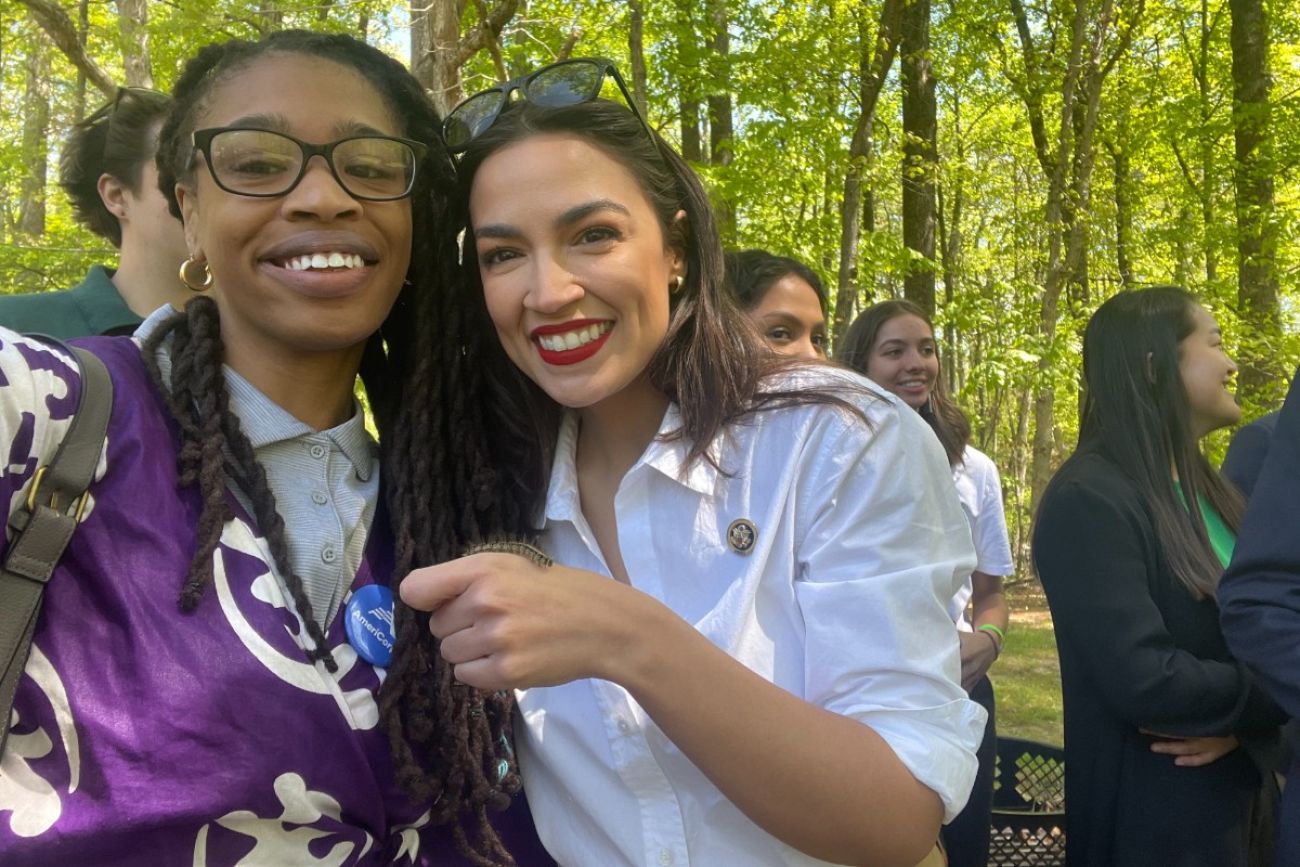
column 1164, row 147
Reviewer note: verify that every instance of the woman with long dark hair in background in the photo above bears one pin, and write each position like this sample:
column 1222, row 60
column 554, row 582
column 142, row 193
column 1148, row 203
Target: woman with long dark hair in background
column 1168, row 742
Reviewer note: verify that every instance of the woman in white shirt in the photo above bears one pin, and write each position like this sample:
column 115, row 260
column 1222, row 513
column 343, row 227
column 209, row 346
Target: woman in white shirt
column 741, row 654
column 893, row 344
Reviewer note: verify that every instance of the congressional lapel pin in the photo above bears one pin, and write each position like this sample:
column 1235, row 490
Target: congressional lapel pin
column 741, row 535
column 368, row 621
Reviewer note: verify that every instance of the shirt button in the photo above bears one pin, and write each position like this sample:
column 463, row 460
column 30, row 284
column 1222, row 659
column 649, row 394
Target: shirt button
column 319, row 498
column 329, row 555
column 317, row 451
column 623, row 726
column 665, row 857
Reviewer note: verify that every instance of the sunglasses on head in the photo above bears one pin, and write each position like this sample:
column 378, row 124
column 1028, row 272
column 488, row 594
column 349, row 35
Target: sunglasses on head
column 569, row 82
column 126, row 95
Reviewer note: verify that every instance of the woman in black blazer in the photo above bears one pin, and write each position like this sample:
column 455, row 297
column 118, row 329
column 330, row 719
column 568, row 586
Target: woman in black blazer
column 1165, row 733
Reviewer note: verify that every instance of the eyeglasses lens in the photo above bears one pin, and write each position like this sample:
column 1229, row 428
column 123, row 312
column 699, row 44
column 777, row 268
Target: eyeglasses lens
column 471, row 117
column 374, row 168
column 262, row 163
column 565, row 84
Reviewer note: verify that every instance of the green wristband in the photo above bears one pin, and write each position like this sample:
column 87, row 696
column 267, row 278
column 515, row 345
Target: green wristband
column 990, row 627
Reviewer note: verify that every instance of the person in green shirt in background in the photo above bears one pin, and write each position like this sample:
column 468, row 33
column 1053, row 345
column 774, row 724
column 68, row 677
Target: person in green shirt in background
column 108, row 171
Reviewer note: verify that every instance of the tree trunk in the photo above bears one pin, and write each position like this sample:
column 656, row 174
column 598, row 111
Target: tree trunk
column 437, row 66
column 636, row 51
column 919, row 139
column 1123, row 212
column 721, row 131
column 948, row 222
column 36, row 128
column 83, row 28
column 692, row 144
column 133, row 21
column 857, row 207
column 1257, row 281
column 63, row 33
column 1207, row 141
column 439, row 50
column 1068, row 166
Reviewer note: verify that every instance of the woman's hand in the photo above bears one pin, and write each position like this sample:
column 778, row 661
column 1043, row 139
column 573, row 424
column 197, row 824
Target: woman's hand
column 978, row 651
column 507, row 623
column 1193, row 752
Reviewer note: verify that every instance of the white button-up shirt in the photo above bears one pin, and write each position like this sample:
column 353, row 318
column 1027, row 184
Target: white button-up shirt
column 841, row 600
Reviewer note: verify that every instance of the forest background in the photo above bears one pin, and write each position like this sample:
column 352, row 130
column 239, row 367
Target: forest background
column 1007, row 164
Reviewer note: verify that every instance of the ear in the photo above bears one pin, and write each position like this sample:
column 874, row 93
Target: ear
column 188, row 202
column 675, row 242
column 113, row 194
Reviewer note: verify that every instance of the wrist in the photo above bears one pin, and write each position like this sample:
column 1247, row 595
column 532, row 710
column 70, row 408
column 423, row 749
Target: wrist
column 994, row 634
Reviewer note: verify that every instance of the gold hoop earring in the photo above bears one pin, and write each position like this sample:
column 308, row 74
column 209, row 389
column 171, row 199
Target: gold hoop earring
column 675, row 285
column 201, row 285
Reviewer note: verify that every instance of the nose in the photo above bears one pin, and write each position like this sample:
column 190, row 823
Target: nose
column 553, row 288
column 319, row 194
column 804, row 350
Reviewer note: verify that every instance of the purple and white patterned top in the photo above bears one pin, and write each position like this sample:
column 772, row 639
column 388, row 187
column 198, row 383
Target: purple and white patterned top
column 141, row 734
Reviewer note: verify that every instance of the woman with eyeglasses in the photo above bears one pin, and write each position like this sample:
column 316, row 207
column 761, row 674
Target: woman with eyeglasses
column 784, row 299
column 1169, row 744
column 218, row 675
column 732, row 647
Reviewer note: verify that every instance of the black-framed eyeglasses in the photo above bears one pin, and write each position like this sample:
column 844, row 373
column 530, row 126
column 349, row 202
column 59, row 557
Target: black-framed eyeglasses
column 568, row 82
column 248, row 161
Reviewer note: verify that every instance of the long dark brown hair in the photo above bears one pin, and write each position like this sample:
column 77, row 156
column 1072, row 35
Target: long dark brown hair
column 950, row 424
column 1135, row 410
column 451, row 743
column 712, row 363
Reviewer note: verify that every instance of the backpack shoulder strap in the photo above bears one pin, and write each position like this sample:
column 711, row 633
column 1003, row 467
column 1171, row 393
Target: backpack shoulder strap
column 43, row 525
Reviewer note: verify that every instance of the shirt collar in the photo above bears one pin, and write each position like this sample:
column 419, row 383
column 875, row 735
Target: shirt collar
column 102, row 305
column 264, row 421
column 666, row 454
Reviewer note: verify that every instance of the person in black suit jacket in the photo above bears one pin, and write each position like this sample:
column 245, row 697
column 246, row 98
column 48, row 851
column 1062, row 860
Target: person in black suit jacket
column 1247, row 451
column 1167, row 740
column 1259, row 596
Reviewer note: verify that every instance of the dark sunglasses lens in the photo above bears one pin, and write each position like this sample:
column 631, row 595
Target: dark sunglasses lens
column 565, row 84
column 471, row 117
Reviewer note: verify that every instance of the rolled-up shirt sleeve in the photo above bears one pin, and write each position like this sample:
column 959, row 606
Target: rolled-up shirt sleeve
column 885, row 544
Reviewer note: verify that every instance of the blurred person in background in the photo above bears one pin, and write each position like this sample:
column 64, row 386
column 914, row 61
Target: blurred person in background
column 108, row 172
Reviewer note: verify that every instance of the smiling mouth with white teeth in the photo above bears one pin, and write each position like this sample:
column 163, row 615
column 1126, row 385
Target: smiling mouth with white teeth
column 324, row 261
column 575, row 338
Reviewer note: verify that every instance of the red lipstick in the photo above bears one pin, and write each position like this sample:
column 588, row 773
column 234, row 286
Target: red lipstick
column 569, row 356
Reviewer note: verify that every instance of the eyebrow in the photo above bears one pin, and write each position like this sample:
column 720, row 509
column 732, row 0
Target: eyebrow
column 899, row 342
column 573, row 215
column 280, row 123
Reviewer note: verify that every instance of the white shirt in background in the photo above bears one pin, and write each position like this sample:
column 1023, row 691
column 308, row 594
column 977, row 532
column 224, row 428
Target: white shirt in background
column 860, row 544
column 980, row 490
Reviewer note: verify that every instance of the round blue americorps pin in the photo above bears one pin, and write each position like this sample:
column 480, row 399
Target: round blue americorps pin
column 369, row 623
